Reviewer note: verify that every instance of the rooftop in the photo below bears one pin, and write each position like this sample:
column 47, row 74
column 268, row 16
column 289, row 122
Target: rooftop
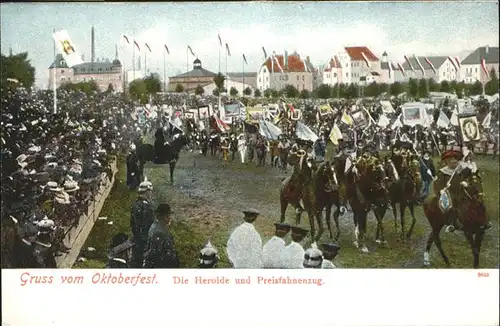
column 333, row 63
column 354, row 53
column 198, row 71
column 295, row 64
column 59, row 62
column 242, row 74
column 490, row 54
column 437, row 62
column 95, row 67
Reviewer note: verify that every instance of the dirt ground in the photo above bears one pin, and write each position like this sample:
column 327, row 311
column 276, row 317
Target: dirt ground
column 209, row 195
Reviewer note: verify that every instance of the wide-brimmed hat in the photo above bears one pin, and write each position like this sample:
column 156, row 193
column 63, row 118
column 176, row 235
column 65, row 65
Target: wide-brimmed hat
column 53, row 186
column 45, row 225
column 21, row 160
column 62, row 197
column 145, row 186
column 71, row 186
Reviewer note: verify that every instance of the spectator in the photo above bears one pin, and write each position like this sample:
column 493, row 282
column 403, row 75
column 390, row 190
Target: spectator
column 161, row 251
column 141, row 218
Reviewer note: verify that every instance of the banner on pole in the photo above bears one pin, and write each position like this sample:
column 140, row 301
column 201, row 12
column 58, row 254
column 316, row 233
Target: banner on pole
column 67, row 48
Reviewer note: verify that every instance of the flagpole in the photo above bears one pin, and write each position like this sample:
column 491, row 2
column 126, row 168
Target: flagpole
column 243, row 86
column 145, row 63
column 219, row 56
column 165, row 70
column 227, row 77
column 133, row 61
column 54, row 78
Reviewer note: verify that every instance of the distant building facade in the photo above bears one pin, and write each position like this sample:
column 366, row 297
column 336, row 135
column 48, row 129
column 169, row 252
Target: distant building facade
column 471, row 70
column 198, row 76
column 249, row 78
column 445, row 69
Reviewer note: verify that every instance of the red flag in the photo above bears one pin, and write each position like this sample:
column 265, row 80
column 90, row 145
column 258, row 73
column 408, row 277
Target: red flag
column 245, row 59
column 366, row 59
column 420, row 65
column 147, row 45
column 227, row 48
column 177, row 113
column 400, row 66
column 453, row 63
column 430, row 64
column 166, row 48
column 483, row 65
column 220, row 40
column 137, row 44
column 458, row 62
column 409, row 63
column 292, row 109
column 191, row 50
column 125, row 37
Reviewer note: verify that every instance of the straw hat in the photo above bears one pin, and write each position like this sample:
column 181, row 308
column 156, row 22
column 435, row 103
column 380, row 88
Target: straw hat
column 62, row 197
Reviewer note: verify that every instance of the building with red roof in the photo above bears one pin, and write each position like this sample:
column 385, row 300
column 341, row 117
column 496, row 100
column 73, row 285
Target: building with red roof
column 280, row 70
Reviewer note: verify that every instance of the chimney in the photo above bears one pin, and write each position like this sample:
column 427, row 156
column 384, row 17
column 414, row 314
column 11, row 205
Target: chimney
column 486, row 49
column 285, row 59
column 92, row 59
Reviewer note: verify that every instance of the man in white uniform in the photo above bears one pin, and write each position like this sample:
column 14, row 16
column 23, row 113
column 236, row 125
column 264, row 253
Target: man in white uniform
column 244, row 247
column 330, row 251
column 273, row 251
column 294, row 252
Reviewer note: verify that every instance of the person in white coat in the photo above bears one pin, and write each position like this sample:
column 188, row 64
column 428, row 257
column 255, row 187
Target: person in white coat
column 330, row 251
column 294, row 252
column 313, row 257
column 273, row 251
column 242, row 147
column 244, row 246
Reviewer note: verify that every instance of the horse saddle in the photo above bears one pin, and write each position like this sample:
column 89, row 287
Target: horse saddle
column 444, row 201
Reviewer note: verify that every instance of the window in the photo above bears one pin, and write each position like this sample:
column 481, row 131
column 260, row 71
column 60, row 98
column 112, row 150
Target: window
column 347, row 74
column 327, row 75
column 100, row 69
column 444, row 74
column 476, row 70
column 297, row 78
column 260, row 80
column 82, row 70
column 335, row 74
column 267, row 78
column 303, row 78
column 62, row 72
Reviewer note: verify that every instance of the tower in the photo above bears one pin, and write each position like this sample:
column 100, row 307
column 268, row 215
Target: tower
column 92, row 45
column 384, row 57
column 116, row 51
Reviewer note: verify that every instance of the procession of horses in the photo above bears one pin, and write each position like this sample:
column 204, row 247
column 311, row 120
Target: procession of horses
column 361, row 173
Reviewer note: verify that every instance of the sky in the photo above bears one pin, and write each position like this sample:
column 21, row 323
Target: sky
column 317, row 30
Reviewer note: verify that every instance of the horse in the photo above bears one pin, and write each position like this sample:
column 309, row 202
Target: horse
column 326, row 195
column 404, row 187
column 291, row 190
column 467, row 203
column 365, row 182
column 168, row 153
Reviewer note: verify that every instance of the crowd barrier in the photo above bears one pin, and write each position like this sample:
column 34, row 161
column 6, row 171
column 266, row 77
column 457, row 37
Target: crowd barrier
column 76, row 236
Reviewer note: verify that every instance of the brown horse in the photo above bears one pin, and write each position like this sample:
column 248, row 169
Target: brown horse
column 467, row 203
column 404, row 187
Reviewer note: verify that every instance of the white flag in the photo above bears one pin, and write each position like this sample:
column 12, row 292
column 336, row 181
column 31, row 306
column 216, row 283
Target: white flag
column 383, row 121
column 397, row 123
column 443, row 120
column 67, row 48
column 454, row 118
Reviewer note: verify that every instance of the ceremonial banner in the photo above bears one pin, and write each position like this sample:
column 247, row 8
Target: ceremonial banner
column 359, row 119
column 469, row 127
column 387, row 107
column 67, row 48
column 464, row 106
column 189, row 115
column 335, row 134
column 303, row 132
column 413, row 114
column 383, row 121
column 269, row 130
column 236, row 110
column 204, row 112
column 254, row 114
column 325, row 109
column 443, row 120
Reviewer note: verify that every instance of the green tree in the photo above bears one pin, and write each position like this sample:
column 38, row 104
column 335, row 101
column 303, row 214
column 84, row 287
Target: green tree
column 247, row 91
column 476, row 88
column 291, row 92
column 460, row 89
column 219, row 81
column 445, row 86
column 433, row 86
column 274, row 93
column 137, row 89
column 372, row 90
column 397, row 88
column 153, row 83
column 199, row 90
column 268, row 93
column 257, row 93
column 491, row 86
column 385, row 88
column 304, row 94
column 413, row 87
column 179, row 88
column 323, row 91
column 215, row 92
column 233, row 91
column 110, row 89
column 18, row 67
column 423, row 89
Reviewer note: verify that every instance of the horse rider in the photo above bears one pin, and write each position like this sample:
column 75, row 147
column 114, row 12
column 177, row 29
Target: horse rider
column 244, row 246
column 159, row 146
column 428, row 173
column 233, row 146
column 142, row 216
column 273, row 250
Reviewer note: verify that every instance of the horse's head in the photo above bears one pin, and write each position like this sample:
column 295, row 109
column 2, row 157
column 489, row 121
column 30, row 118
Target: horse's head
column 471, row 182
column 390, row 170
column 327, row 175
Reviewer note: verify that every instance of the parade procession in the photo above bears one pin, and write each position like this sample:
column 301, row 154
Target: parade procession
column 370, row 175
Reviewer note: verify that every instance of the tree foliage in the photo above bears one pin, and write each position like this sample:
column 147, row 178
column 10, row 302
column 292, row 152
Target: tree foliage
column 413, row 88
column 153, row 83
column 179, row 88
column 445, row 86
column 219, row 80
column 396, row 89
column 137, row 89
column 257, row 93
column 17, row 67
column 110, row 89
column 199, row 90
column 290, row 91
column 491, row 86
column 247, row 91
column 423, row 88
column 233, row 91
column 85, row 87
column 304, row 94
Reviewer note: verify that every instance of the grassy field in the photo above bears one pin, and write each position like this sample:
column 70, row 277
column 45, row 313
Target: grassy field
column 196, row 221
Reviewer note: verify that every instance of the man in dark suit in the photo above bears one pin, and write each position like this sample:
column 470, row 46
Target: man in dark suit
column 428, row 173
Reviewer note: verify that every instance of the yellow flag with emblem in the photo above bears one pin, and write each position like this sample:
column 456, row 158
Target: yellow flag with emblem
column 347, row 119
column 335, row 134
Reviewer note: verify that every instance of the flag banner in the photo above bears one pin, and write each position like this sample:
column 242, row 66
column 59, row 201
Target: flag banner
column 464, row 106
column 304, row 132
column 265, row 53
column 469, row 127
column 204, row 112
column 400, row 66
column 397, row 123
column 245, row 59
column 457, row 60
column 347, row 119
column 227, row 48
column 269, row 130
column 220, row 125
column 254, row 114
column 67, row 48
column 176, row 122
column 390, row 69
column 365, row 59
column 413, row 114
column 335, row 134
column 191, row 50
column 277, row 62
column 137, row 45
column 387, row 107
column 125, row 37
column 166, row 49
column 325, row 109
column 419, row 65
column 236, row 110
column 383, row 121
column 359, row 118
column 147, row 46
column 409, row 63
column 431, row 65
column 454, row 118
column 453, row 63
column 291, row 108
column 220, row 40
column 443, row 121
column 483, row 65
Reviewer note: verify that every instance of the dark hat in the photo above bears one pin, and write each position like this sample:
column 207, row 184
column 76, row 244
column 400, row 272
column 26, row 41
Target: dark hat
column 298, row 233
column 330, row 250
column 282, row 227
column 451, row 154
column 163, row 209
column 251, row 212
column 427, row 152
